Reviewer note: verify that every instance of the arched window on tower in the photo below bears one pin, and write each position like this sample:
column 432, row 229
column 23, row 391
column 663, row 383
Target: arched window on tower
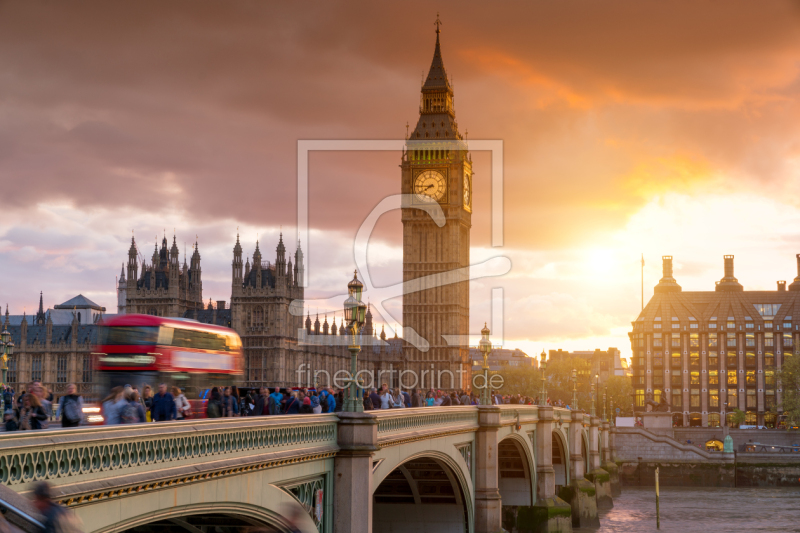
column 258, row 317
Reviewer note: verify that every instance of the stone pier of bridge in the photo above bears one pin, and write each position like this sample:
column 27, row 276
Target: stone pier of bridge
column 455, row 469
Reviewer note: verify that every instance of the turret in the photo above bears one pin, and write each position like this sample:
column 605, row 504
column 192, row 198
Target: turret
column 368, row 325
column 308, row 323
column 174, row 260
column 40, row 317
column 316, row 325
column 299, row 269
column 133, row 262
column 280, row 259
column 667, row 282
column 236, row 265
column 383, row 333
column 325, row 326
column 122, row 292
column 333, row 326
column 729, row 282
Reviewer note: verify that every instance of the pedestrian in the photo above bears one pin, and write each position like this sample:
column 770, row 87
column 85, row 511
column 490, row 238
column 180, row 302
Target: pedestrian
column 292, row 405
column 147, row 401
column 8, row 397
column 262, row 403
column 339, row 397
column 429, row 399
column 305, row 408
column 32, row 415
column 70, row 408
column 230, row 407
column 387, row 400
column 416, row 399
column 248, row 405
column 112, row 405
column 132, row 411
column 376, row 400
column 406, row 398
column 398, row 402
column 465, row 399
column 367, row 401
column 163, row 409
column 214, row 404
column 331, row 397
column 56, row 518
column 275, row 400
column 10, row 420
column 182, row 406
column 316, row 408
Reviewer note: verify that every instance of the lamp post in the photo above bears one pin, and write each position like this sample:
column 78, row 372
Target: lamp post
column 574, row 389
column 605, row 393
column 592, row 412
column 355, row 316
column 485, row 346
column 543, row 366
column 7, row 346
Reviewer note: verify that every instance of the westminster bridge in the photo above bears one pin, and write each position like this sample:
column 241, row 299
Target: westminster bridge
column 464, row 469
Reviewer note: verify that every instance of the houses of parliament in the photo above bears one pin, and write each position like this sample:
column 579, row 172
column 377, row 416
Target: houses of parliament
column 56, row 348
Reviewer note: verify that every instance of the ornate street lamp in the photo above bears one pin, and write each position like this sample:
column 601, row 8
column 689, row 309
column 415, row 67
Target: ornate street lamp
column 355, row 312
column 543, row 366
column 485, row 346
column 574, row 389
column 7, row 346
column 592, row 413
column 605, row 393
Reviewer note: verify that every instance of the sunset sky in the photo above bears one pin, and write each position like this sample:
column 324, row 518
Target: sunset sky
column 628, row 128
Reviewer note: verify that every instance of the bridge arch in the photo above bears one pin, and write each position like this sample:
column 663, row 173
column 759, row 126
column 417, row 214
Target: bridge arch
column 428, row 491
column 271, row 508
column 560, row 459
column 516, row 471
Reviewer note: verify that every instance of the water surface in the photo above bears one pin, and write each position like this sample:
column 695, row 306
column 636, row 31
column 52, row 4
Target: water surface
column 710, row 510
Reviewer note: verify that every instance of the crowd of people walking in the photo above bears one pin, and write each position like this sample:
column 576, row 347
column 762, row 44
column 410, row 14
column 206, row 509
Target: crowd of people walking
column 33, row 409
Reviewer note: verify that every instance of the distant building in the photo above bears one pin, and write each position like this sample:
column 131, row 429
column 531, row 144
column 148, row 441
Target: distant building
column 502, row 358
column 54, row 346
column 603, row 363
column 710, row 352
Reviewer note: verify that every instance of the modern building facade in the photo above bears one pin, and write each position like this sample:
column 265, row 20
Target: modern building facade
column 710, row 352
column 436, row 167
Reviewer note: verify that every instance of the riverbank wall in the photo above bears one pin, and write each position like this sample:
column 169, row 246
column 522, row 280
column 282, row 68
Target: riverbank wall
column 638, row 452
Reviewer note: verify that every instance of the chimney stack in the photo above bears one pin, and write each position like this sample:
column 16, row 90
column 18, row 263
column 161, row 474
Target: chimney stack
column 667, row 282
column 781, row 286
column 728, row 266
column 729, row 282
column 666, row 266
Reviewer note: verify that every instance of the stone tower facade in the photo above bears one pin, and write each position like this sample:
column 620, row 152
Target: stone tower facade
column 164, row 288
column 437, row 166
column 261, row 294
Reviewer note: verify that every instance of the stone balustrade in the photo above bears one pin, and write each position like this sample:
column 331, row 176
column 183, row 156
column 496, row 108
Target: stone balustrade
column 143, row 454
column 395, row 424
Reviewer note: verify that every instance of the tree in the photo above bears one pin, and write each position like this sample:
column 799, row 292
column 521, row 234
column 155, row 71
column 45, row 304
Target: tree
column 620, row 392
column 789, row 379
column 738, row 417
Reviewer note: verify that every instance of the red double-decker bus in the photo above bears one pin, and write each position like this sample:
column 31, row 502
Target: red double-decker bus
column 141, row 350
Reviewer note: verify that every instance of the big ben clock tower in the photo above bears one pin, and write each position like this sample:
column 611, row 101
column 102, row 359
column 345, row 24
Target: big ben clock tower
column 437, row 166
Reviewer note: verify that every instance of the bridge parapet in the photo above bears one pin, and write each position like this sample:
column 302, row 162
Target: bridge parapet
column 81, row 463
column 397, row 425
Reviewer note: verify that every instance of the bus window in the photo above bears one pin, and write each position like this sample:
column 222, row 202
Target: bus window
column 233, row 343
column 165, row 335
column 199, row 340
column 128, row 335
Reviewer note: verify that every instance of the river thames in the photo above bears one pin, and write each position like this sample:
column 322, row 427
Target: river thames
column 709, row 510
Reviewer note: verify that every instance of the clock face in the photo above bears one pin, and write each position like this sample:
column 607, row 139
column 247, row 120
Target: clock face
column 467, row 192
column 430, row 183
